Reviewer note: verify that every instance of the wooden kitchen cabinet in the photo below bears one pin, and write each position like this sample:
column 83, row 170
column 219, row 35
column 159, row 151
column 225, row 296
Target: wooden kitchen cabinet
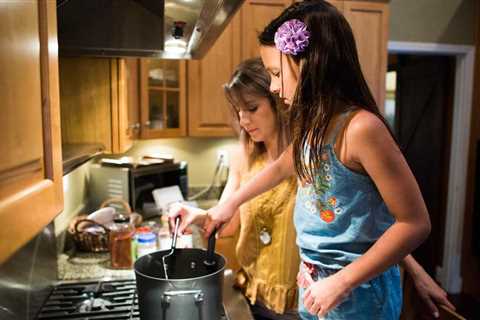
column 162, row 98
column 126, row 125
column 369, row 21
column 30, row 152
column 255, row 15
column 337, row 3
column 209, row 114
column 99, row 103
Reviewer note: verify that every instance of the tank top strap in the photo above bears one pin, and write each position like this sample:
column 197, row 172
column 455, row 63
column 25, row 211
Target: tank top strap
column 339, row 126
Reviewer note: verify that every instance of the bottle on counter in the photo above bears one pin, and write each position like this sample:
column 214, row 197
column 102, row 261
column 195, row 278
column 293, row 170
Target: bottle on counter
column 146, row 243
column 120, row 240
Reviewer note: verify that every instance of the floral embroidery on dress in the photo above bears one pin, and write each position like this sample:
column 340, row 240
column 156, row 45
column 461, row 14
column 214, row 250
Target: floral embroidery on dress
column 327, row 216
column 316, row 197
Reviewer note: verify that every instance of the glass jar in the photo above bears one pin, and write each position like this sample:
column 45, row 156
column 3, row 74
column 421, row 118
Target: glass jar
column 120, row 240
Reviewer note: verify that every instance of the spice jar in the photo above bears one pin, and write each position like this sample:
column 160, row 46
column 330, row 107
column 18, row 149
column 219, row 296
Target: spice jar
column 146, row 243
column 121, row 236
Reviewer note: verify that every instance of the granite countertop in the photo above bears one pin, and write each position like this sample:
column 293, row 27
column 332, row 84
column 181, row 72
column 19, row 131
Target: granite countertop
column 75, row 265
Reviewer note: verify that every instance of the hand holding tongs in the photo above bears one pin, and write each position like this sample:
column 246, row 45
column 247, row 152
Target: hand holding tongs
column 172, row 247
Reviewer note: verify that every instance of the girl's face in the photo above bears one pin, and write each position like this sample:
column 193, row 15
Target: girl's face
column 289, row 71
column 257, row 118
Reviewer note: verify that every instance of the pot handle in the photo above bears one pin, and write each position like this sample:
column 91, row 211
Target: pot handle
column 167, row 296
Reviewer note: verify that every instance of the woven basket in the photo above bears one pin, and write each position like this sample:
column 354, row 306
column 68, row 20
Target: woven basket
column 93, row 242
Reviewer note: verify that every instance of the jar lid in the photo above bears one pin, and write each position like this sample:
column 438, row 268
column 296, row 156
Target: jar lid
column 146, row 237
column 121, row 218
column 144, row 229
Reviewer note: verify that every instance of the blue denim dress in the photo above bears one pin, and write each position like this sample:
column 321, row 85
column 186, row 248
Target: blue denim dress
column 337, row 219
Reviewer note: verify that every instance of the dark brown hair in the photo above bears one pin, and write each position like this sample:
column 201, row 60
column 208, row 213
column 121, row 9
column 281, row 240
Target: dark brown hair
column 250, row 78
column 331, row 80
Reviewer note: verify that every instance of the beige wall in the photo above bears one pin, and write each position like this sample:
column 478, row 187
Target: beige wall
column 442, row 21
column 75, row 196
column 200, row 153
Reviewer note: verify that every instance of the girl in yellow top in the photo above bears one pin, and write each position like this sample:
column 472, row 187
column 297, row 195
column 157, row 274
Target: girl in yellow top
column 266, row 248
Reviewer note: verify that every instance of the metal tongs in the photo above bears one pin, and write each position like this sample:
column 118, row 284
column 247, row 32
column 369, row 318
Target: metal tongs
column 172, row 247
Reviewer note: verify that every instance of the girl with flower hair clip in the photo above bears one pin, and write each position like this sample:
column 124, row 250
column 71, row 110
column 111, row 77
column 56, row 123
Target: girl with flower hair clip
column 359, row 210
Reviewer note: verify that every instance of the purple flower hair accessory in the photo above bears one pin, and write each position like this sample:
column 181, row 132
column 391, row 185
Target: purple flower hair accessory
column 292, row 37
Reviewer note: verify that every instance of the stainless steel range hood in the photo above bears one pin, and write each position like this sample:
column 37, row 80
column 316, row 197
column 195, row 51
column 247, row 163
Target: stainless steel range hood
column 173, row 29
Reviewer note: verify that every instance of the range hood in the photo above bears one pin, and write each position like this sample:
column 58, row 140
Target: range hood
column 169, row 29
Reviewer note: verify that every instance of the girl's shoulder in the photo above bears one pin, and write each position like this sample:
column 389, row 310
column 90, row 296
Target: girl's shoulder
column 365, row 130
column 364, row 122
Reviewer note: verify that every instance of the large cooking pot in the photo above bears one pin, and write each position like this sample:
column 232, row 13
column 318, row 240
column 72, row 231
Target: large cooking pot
column 192, row 291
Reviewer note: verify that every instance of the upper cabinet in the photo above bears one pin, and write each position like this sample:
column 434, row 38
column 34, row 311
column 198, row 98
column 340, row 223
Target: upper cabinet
column 208, row 110
column 255, row 16
column 129, row 103
column 30, row 152
column 369, row 21
column 99, row 105
column 162, row 98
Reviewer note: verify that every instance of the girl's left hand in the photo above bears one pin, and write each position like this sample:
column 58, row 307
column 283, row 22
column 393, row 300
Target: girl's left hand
column 325, row 294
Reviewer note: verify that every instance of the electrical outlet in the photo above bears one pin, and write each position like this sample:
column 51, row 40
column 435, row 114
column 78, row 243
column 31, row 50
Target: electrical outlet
column 223, row 156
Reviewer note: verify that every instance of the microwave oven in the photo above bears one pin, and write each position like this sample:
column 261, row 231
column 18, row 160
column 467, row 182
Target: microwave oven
column 135, row 184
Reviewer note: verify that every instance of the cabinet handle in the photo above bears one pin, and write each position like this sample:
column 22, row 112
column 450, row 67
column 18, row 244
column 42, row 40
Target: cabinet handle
column 147, row 123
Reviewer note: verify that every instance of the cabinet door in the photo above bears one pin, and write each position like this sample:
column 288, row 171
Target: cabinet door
column 209, row 114
column 337, row 3
column 256, row 14
column 369, row 21
column 128, row 120
column 30, row 151
column 163, row 105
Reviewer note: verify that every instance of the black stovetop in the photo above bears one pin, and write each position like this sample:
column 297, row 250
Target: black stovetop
column 92, row 300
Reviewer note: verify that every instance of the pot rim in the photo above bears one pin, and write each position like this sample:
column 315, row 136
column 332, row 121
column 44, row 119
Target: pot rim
column 222, row 269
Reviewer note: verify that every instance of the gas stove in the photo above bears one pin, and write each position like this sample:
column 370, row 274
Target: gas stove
column 94, row 300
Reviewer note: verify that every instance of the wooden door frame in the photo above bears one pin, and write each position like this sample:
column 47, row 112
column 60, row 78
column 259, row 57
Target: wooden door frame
column 449, row 274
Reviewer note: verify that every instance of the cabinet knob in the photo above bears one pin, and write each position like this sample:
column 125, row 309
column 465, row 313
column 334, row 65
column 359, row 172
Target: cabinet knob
column 147, row 123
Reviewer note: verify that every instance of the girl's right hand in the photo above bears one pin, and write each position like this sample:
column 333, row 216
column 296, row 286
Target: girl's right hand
column 218, row 216
column 187, row 214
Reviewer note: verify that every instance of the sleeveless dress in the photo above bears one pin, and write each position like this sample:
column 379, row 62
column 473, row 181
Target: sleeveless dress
column 266, row 248
column 337, row 219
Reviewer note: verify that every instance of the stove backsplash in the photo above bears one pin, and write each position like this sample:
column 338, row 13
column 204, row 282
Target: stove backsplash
column 28, row 276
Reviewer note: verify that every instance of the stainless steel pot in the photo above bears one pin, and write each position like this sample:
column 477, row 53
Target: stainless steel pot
column 193, row 290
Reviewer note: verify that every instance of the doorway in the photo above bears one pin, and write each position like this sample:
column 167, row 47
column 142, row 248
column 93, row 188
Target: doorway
column 419, row 107
column 449, row 272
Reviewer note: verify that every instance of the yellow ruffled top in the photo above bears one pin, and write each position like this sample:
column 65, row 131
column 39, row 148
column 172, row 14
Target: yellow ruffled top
column 268, row 268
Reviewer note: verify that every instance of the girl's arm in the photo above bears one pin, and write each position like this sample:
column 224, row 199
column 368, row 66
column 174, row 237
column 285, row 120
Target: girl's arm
column 198, row 216
column 237, row 166
column 265, row 180
column 371, row 146
column 375, row 150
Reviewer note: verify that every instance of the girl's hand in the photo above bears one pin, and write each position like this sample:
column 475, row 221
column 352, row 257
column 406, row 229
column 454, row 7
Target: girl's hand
column 218, row 216
column 431, row 293
column 187, row 214
column 325, row 294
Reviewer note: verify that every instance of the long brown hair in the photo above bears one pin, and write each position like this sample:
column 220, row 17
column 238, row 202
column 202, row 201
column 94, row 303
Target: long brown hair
column 250, row 78
column 331, row 79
